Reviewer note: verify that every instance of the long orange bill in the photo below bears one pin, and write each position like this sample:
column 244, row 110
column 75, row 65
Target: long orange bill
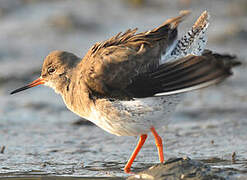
column 32, row 84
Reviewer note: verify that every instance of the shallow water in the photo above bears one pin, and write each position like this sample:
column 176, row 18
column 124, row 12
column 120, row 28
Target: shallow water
column 37, row 130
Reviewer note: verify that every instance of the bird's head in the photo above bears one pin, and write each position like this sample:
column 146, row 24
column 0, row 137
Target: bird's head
column 56, row 71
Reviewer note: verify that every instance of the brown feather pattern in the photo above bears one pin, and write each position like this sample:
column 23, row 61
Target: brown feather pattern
column 128, row 64
column 112, row 64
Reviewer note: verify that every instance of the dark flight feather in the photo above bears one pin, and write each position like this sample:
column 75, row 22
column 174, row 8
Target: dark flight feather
column 182, row 75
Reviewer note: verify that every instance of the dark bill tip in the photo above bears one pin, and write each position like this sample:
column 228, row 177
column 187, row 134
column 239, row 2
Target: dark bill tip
column 20, row 89
column 32, row 84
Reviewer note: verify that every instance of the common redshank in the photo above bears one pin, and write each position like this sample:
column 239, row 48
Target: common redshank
column 131, row 83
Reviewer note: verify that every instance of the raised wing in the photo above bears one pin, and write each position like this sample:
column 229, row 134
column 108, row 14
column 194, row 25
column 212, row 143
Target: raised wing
column 110, row 66
column 185, row 74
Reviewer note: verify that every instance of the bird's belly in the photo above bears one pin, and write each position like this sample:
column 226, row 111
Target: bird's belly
column 132, row 118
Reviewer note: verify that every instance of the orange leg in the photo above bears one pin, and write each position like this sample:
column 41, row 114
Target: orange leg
column 158, row 142
column 136, row 151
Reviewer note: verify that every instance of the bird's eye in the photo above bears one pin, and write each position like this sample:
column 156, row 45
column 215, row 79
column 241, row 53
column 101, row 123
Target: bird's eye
column 50, row 70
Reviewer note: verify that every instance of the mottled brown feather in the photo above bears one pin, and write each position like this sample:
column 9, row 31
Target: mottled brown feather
column 112, row 64
column 128, row 64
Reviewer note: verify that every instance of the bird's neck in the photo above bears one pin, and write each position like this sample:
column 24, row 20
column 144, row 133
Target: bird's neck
column 76, row 96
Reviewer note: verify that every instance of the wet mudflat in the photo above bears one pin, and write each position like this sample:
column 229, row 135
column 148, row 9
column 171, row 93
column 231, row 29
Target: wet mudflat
column 41, row 139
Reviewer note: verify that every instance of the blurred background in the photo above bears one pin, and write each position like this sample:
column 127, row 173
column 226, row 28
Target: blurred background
column 39, row 136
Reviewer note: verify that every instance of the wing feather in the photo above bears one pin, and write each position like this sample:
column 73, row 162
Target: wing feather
column 110, row 66
column 184, row 74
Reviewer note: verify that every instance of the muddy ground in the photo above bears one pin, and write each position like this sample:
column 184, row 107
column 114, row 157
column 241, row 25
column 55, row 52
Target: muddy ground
column 39, row 136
